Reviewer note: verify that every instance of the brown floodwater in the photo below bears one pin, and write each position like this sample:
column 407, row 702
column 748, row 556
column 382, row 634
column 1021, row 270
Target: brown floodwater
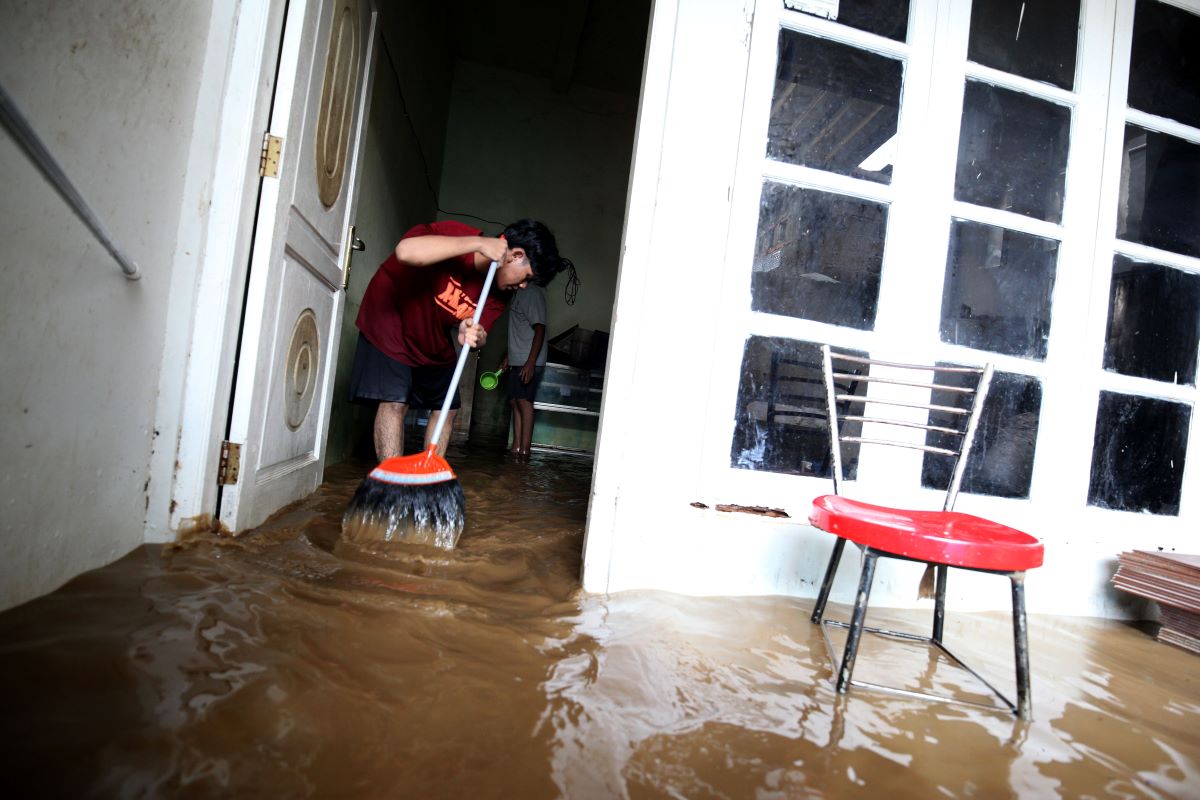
column 286, row 663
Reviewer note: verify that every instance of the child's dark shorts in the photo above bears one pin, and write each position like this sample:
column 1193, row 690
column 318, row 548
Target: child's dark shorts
column 523, row 391
column 376, row 377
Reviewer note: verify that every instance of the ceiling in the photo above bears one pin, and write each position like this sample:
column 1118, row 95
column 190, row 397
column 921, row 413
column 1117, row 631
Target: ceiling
column 595, row 43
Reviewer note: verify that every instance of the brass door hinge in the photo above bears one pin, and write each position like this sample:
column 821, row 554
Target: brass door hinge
column 268, row 159
column 231, row 463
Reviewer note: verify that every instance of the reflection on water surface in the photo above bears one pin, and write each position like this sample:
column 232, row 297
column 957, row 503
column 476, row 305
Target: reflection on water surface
column 286, row 663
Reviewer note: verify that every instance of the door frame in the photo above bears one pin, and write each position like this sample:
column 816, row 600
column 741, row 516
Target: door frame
column 194, row 406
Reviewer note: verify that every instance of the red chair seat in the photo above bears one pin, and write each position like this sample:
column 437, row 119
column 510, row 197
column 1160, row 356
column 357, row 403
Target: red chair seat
column 941, row 537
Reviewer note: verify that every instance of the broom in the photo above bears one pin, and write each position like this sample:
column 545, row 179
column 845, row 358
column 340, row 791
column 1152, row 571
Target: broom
column 415, row 499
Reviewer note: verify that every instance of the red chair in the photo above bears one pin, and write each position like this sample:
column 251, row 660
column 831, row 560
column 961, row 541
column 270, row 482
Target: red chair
column 940, row 539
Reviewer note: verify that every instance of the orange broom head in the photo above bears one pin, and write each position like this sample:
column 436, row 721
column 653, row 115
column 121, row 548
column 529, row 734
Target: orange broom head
column 412, row 499
column 419, row 469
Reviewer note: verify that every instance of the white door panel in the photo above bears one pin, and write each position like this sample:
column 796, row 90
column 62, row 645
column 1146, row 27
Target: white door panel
column 299, row 364
column 294, row 299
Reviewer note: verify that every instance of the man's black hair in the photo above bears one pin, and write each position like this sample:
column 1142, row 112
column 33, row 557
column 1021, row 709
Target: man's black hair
column 539, row 245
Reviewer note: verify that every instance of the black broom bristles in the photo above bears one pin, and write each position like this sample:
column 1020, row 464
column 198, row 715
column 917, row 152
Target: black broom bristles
column 429, row 514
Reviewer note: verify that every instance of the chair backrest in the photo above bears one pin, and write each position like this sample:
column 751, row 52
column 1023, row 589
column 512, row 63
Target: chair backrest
column 939, row 402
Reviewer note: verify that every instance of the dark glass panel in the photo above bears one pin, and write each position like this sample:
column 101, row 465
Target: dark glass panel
column 1034, row 40
column 1139, row 453
column 997, row 290
column 781, row 421
column 1001, row 458
column 1160, row 192
column 834, row 107
column 1153, row 322
column 1164, row 70
column 1012, row 152
column 882, row 17
column 818, row 256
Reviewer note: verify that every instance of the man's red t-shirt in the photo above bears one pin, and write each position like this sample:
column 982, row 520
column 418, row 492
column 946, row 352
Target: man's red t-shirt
column 406, row 310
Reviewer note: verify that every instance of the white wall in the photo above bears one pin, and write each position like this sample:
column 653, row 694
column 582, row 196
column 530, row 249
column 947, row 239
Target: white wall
column 642, row 530
column 119, row 93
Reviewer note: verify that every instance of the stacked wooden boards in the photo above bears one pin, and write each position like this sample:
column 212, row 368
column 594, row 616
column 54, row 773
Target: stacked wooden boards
column 1173, row 581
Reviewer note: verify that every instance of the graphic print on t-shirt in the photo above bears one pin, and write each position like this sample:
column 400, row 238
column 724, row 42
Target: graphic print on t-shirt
column 455, row 301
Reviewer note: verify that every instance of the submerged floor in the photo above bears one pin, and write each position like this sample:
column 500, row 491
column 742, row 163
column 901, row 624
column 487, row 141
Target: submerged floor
column 286, row 664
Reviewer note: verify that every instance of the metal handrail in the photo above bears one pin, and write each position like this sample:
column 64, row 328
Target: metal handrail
column 23, row 133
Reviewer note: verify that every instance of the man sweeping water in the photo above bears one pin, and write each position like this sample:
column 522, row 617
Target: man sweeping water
column 434, row 280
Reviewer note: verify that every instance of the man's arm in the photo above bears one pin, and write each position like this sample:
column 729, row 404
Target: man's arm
column 423, row 251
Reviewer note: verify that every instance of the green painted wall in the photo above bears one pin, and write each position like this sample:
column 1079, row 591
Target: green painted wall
column 562, row 157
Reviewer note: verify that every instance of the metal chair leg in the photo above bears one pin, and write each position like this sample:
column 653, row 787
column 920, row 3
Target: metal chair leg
column 939, row 603
column 827, row 584
column 858, row 620
column 1021, row 646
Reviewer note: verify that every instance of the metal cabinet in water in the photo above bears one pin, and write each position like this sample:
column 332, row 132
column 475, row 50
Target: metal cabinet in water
column 567, row 408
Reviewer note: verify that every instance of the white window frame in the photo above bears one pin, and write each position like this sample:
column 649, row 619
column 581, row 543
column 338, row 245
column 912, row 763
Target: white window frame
column 920, row 213
column 1108, row 245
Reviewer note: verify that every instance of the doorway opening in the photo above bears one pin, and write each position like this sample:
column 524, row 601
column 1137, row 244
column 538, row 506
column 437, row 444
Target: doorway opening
column 486, row 113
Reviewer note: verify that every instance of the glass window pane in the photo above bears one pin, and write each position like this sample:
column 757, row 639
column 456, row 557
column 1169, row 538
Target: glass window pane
column 883, row 17
column 997, row 290
column 1012, row 152
column 1001, row 459
column 1138, row 455
column 1034, row 40
column 1153, row 322
column 1160, row 192
column 781, row 422
column 1164, row 72
column 818, row 256
column 835, row 107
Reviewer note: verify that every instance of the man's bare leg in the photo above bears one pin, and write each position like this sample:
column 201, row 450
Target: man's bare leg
column 444, row 440
column 389, row 430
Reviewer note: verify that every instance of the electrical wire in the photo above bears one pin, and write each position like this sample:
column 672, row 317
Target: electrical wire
column 420, row 150
column 572, row 288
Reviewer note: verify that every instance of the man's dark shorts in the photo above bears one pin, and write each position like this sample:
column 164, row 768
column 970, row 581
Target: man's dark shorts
column 523, row 391
column 377, row 377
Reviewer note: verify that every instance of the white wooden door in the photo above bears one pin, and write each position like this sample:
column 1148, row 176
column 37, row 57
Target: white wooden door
column 294, row 301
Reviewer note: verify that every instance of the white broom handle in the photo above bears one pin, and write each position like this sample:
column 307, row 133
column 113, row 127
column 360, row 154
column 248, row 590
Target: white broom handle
column 462, row 357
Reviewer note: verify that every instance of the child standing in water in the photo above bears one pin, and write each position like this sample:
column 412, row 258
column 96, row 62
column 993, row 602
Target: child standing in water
column 525, row 362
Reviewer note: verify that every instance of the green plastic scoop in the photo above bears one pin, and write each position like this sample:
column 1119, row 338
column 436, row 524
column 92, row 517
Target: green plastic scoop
column 490, row 380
